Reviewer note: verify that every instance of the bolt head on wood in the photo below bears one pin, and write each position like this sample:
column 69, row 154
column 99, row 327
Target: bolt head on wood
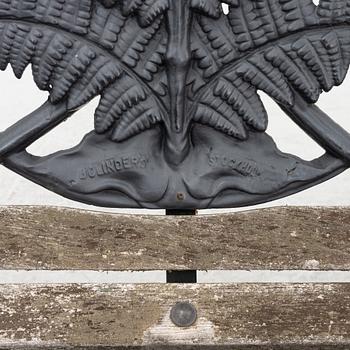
column 183, row 314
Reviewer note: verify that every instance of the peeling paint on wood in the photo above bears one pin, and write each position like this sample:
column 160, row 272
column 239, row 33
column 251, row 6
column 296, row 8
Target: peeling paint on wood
column 108, row 316
column 278, row 238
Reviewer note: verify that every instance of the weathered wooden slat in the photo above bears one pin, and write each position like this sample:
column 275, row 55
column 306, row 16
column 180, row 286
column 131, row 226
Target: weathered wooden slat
column 279, row 238
column 108, row 316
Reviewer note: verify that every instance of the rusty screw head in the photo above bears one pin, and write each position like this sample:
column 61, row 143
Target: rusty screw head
column 183, row 314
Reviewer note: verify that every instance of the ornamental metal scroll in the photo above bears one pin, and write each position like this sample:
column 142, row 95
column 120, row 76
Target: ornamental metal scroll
column 180, row 124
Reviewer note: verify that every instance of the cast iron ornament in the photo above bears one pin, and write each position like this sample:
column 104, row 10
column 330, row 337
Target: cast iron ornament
column 180, row 124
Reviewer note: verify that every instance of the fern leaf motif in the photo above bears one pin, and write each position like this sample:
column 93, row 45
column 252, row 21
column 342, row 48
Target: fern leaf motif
column 114, row 103
column 266, row 78
column 116, row 100
column 211, row 8
column 219, row 115
column 136, row 120
column 301, row 59
column 244, row 100
column 299, row 78
column 133, row 51
column 237, row 107
column 177, row 61
column 147, row 10
column 68, row 60
column 130, row 6
column 333, row 11
column 100, row 74
column 150, row 10
column 332, row 45
column 106, row 26
column 256, row 22
column 80, row 59
column 206, row 58
column 222, row 46
column 73, row 15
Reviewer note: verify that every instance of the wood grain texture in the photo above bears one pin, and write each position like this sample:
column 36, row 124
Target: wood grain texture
column 296, row 316
column 280, row 238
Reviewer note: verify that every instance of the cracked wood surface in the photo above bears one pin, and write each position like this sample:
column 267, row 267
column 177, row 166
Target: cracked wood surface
column 278, row 238
column 245, row 316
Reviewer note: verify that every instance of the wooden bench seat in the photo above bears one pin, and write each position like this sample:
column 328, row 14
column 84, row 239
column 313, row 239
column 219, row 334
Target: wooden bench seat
column 126, row 316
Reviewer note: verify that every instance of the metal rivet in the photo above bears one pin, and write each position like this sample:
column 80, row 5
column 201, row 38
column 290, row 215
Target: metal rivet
column 183, row 314
column 180, row 196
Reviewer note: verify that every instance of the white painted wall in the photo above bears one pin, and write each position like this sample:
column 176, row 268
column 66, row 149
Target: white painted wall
column 19, row 97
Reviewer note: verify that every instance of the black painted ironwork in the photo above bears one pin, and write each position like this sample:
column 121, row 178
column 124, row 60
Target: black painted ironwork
column 180, row 124
column 182, row 276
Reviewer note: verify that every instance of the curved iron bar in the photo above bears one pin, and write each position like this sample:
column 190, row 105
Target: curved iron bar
column 320, row 127
column 32, row 127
